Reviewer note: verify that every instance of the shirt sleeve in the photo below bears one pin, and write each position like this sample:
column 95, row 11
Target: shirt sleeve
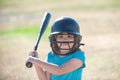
column 48, row 57
column 80, row 55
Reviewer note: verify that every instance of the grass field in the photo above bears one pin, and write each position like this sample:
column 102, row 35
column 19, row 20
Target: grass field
column 100, row 27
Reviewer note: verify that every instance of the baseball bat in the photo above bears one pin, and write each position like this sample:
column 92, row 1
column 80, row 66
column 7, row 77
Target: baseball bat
column 43, row 27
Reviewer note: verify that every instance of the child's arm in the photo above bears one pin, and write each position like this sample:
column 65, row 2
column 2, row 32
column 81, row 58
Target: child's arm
column 42, row 74
column 55, row 69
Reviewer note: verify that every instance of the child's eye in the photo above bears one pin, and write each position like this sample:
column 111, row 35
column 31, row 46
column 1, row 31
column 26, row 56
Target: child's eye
column 70, row 36
column 59, row 36
column 62, row 37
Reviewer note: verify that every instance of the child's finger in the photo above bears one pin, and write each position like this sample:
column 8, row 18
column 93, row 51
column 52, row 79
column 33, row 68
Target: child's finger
column 33, row 53
column 31, row 59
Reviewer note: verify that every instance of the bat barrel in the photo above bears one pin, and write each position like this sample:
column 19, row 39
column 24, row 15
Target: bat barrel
column 43, row 27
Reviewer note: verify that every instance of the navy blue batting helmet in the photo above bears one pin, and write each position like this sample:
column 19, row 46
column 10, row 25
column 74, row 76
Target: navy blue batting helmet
column 65, row 25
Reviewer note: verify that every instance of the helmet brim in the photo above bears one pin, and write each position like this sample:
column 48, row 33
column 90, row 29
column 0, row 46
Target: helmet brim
column 74, row 33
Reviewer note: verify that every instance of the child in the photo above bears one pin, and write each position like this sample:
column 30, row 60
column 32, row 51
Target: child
column 66, row 60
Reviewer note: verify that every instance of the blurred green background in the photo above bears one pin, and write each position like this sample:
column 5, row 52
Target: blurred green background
column 99, row 25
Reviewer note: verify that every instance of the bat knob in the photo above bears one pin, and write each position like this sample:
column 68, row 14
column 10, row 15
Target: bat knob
column 29, row 64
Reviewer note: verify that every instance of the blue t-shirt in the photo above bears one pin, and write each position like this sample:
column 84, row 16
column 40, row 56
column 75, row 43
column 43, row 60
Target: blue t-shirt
column 74, row 75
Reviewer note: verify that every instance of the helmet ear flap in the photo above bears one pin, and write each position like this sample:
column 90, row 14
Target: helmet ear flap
column 80, row 39
column 77, row 41
column 51, row 40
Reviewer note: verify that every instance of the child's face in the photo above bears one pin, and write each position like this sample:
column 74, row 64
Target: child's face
column 66, row 42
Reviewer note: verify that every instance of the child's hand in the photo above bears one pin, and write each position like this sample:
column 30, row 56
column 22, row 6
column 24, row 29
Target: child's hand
column 31, row 59
column 33, row 54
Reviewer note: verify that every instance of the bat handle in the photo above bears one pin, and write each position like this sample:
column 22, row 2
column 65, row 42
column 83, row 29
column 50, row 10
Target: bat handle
column 29, row 64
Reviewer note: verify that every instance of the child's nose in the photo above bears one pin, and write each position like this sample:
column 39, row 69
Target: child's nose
column 65, row 39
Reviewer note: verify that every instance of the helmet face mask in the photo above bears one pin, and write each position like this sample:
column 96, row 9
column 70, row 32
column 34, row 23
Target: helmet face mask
column 57, row 48
column 69, row 26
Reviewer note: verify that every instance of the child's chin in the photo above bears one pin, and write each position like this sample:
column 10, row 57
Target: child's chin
column 64, row 51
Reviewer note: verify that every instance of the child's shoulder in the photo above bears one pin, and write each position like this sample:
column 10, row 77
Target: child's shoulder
column 50, row 54
column 78, row 54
